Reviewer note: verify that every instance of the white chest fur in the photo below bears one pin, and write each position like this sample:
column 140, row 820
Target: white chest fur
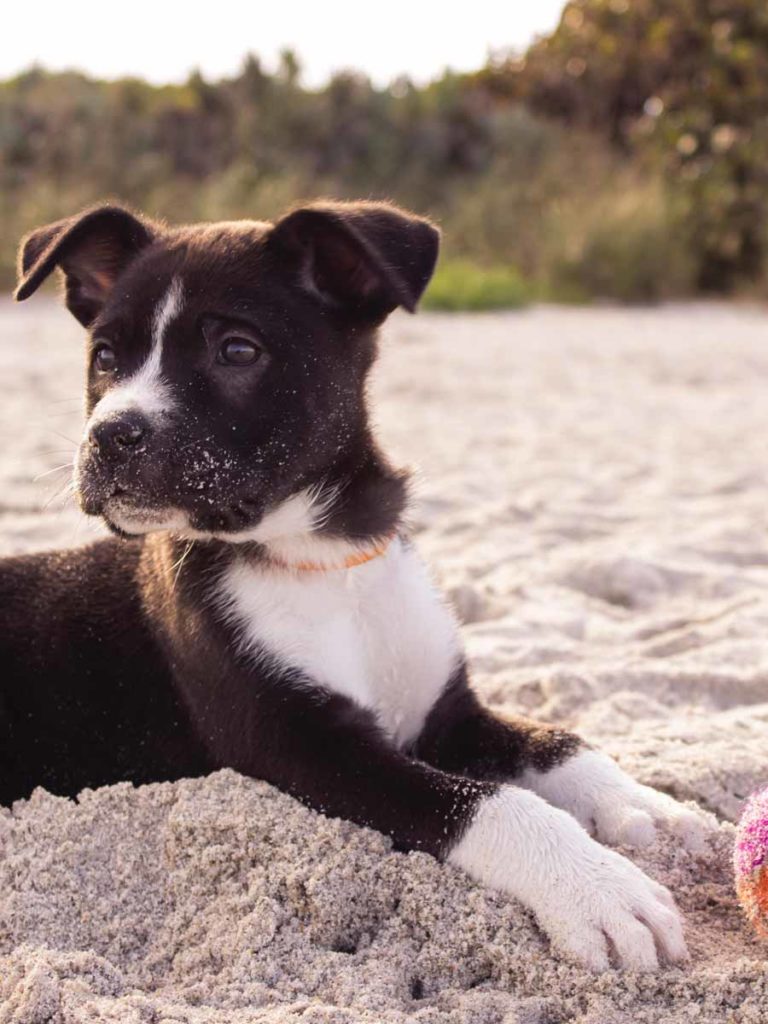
column 378, row 633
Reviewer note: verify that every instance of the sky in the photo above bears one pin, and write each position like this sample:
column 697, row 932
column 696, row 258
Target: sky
column 163, row 40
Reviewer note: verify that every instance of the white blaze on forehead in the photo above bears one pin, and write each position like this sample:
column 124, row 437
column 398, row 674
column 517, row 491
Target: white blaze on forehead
column 167, row 309
column 146, row 391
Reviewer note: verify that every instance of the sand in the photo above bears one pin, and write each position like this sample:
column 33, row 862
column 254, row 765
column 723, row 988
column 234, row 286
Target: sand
column 592, row 494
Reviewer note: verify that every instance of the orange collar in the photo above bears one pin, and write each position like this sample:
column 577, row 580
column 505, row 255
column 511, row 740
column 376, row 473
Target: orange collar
column 350, row 562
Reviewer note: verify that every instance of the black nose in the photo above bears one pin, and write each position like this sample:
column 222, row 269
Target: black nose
column 119, row 435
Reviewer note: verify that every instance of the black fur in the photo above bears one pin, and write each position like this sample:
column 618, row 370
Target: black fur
column 117, row 662
column 121, row 669
column 461, row 735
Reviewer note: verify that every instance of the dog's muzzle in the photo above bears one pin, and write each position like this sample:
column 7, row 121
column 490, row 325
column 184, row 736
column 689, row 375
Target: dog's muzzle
column 116, row 460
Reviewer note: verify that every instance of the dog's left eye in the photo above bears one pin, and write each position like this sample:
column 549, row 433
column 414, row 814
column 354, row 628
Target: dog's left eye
column 104, row 358
column 237, row 351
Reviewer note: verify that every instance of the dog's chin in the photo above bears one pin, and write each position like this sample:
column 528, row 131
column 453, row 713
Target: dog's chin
column 127, row 520
column 241, row 522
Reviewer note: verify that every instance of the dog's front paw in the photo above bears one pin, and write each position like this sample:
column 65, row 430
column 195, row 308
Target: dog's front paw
column 611, row 910
column 595, row 905
column 616, row 809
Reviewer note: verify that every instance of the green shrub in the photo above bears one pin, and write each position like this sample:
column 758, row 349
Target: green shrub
column 628, row 244
column 461, row 285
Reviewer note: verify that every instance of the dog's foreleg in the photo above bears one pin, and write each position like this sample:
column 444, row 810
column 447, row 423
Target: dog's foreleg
column 330, row 754
column 461, row 735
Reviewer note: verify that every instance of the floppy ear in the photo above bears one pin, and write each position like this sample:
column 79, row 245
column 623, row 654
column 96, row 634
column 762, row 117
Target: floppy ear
column 366, row 257
column 91, row 248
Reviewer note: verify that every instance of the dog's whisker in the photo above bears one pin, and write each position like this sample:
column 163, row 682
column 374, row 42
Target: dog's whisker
column 57, row 495
column 66, row 502
column 65, row 492
column 56, row 469
column 65, row 437
column 179, row 563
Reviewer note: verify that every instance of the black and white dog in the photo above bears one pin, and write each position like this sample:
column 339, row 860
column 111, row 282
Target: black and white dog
column 270, row 614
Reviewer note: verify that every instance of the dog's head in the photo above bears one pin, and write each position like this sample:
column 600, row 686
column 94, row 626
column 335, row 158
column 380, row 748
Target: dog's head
column 227, row 362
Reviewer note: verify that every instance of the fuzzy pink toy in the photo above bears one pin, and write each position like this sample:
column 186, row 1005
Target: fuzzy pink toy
column 750, row 861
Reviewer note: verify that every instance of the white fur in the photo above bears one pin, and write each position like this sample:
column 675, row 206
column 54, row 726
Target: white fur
column 146, row 391
column 581, row 893
column 289, row 532
column 135, row 521
column 292, row 522
column 377, row 633
column 612, row 806
column 297, row 516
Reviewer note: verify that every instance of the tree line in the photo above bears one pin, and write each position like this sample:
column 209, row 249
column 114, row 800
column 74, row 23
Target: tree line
column 624, row 155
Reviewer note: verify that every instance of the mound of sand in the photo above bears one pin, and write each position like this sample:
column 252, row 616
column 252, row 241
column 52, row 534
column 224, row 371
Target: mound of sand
column 223, row 900
column 594, row 500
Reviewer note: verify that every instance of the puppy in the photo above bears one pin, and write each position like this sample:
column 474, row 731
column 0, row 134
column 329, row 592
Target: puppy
column 269, row 612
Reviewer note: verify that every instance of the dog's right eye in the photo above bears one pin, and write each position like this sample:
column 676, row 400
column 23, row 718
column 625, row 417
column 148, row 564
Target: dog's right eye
column 238, row 351
column 104, row 358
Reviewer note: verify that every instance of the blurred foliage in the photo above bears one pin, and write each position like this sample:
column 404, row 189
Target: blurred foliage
column 462, row 285
column 629, row 245
column 681, row 85
column 625, row 155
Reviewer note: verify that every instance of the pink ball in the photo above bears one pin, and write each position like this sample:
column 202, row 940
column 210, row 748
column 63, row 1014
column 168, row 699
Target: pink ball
column 750, row 861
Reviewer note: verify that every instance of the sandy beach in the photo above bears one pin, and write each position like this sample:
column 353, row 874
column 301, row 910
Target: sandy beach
column 591, row 489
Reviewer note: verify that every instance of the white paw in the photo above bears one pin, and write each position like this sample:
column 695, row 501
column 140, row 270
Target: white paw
column 616, row 809
column 596, row 906
column 613, row 912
